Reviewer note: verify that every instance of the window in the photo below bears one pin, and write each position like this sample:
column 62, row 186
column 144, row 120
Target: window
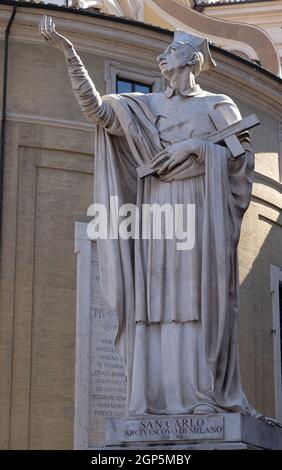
column 123, row 78
column 276, row 291
column 130, row 86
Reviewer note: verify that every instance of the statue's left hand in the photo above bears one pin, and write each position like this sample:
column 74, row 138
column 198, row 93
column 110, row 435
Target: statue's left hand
column 176, row 154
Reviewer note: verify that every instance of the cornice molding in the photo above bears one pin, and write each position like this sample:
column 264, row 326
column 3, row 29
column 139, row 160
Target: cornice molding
column 140, row 46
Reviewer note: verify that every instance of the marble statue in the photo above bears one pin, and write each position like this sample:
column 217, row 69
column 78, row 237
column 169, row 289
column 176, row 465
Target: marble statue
column 177, row 310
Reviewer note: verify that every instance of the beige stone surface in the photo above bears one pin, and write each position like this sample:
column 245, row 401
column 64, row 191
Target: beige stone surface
column 260, row 246
column 54, row 188
column 45, row 89
column 256, row 44
column 48, row 186
column 266, row 15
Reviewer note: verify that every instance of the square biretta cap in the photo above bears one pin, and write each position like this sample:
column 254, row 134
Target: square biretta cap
column 199, row 44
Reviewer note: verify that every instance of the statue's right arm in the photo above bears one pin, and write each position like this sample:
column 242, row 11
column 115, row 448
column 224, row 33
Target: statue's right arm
column 89, row 99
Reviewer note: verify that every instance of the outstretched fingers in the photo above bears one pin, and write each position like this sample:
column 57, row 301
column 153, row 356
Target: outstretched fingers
column 47, row 29
column 51, row 25
column 42, row 28
column 50, row 28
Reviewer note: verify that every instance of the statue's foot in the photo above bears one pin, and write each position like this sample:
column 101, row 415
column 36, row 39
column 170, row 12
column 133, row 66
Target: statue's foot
column 204, row 409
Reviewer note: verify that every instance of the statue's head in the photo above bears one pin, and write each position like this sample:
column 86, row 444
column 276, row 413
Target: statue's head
column 187, row 50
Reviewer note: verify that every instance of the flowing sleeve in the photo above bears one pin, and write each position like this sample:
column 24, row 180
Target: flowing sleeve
column 94, row 108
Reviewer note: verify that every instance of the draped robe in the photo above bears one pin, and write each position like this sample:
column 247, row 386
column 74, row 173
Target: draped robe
column 177, row 311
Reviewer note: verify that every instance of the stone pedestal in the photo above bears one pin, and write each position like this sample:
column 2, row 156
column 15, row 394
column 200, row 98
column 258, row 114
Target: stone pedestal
column 214, row 431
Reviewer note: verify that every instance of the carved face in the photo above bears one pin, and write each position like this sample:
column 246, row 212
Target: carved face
column 175, row 57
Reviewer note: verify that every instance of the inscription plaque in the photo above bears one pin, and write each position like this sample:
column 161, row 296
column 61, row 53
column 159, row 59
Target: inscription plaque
column 107, row 374
column 164, row 428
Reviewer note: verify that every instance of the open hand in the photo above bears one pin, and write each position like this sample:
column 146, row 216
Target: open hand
column 176, row 154
column 48, row 31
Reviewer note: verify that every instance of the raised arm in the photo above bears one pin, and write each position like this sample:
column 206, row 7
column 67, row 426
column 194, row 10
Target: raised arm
column 83, row 87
